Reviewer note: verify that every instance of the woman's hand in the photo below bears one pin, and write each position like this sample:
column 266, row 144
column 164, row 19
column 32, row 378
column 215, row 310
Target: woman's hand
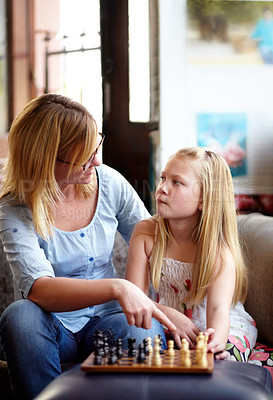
column 219, row 350
column 139, row 308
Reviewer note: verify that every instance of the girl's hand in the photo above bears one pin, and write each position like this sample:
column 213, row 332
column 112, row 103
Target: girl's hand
column 219, row 350
column 185, row 328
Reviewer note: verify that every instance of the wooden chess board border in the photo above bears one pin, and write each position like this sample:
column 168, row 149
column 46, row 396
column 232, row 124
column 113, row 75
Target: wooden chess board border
column 127, row 364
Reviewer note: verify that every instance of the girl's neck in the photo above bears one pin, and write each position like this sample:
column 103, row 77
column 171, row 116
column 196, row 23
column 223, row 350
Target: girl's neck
column 182, row 247
column 182, row 231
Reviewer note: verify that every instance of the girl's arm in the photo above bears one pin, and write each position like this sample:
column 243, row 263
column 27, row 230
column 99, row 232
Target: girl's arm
column 139, row 252
column 219, row 301
column 138, row 272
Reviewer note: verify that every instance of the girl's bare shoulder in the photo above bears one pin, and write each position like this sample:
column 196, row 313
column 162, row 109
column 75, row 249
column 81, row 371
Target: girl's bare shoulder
column 145, row 227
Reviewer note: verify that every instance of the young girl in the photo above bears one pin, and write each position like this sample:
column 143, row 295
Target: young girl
column 191, row 253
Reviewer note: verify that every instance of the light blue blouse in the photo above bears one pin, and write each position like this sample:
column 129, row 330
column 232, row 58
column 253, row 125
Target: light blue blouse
column 85, row 253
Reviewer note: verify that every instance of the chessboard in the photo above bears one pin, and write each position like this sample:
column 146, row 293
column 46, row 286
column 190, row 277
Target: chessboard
column 153, row 360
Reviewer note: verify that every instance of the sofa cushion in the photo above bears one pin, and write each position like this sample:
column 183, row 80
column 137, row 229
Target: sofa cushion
column 5, row 391
column 256, row 232
column 263, row 356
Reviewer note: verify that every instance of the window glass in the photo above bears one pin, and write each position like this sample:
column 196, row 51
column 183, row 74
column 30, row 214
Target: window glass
column 80, row 71
column 139, row 64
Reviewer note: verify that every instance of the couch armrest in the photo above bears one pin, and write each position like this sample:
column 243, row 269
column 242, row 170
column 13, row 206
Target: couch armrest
column 256, row 233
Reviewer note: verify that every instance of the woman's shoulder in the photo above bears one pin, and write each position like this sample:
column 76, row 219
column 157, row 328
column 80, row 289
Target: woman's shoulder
column 117, row 190
column 110, row 180
column 9, row 206
column 109, row 174
column 12, row 213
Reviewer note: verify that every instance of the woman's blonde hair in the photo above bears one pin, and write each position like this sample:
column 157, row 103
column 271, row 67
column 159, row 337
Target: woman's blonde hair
column 47, row 129
column 216, row 229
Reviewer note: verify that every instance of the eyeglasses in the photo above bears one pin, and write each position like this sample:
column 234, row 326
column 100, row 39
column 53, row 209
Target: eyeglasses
column 91, row 159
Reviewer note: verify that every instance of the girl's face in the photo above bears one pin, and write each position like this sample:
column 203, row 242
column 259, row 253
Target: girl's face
column 178, row 194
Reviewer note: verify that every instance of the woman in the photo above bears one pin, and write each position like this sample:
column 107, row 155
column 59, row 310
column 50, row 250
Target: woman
column 60, row 208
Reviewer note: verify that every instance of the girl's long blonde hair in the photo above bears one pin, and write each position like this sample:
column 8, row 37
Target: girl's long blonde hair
column 48, row 128
column 217, row 227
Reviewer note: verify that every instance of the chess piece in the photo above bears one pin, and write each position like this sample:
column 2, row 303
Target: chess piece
column 106, row 345
column 185, row 360
column 201, row 353
column 98, row 359
column 119, row 348
column 146, row 349
column 98, row 348
column 160, row 343
column 170, row 349
column 99, row 343
column 156, row 359
column 141, row 353
column 203, row 359
column 200, row 338
column 112, row 356
column 149, row 345
column 131, row 347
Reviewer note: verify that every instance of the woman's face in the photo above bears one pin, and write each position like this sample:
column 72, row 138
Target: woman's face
column 81, row 175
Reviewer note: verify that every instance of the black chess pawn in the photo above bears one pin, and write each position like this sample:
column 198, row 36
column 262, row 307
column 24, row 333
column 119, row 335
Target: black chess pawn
column 131, row 347
column 106, row 345
column 98, row 335
column 160, row 343
column 112, row 356
column 98, row 359
column 145, row 345
column 141, row 354
column 99, row 348
column 119, row 348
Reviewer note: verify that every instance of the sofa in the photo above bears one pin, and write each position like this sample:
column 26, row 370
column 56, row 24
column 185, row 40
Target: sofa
column 256, row 233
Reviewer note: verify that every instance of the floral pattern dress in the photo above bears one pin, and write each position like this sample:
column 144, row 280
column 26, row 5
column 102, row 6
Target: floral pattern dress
column 176, row 278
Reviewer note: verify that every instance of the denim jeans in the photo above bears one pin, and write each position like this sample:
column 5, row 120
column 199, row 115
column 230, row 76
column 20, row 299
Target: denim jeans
column 35, row 343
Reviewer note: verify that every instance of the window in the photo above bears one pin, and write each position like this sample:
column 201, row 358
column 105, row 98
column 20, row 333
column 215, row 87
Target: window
column 139, row 61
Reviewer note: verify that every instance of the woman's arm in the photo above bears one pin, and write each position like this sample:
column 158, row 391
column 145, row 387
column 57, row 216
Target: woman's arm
column 68, row 294
column 219, row 302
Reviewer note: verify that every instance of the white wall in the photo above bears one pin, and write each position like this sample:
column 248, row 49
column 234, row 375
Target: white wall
column 172, row 65
column 212, row 78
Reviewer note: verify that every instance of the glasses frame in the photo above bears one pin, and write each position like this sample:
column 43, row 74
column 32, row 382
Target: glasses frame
column 91, row 159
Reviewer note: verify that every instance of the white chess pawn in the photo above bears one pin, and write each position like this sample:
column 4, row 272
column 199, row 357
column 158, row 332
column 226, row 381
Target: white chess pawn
column 185, row 354
column 170, row 349
column 149, row 345
column 156, row 360
column 200, row 337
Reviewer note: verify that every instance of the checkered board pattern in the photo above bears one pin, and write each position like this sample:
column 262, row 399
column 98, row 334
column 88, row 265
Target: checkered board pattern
column 170, row 364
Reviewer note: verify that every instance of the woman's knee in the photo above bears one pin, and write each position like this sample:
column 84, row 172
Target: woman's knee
column 21, row 316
